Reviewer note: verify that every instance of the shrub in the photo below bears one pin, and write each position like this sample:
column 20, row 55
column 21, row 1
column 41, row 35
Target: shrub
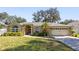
column 1, row 26
column 35, row 34
column 75, row 35
column 44, row 31
column 40, row 34
column 13, row 34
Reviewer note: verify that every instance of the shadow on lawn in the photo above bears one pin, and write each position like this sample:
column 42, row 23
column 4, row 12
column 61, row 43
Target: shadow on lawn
column 38, row 45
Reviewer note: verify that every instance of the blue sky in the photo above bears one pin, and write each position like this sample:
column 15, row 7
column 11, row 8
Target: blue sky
column 26, row 12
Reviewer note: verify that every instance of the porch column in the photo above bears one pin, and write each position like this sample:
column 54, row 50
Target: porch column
column 23, row 29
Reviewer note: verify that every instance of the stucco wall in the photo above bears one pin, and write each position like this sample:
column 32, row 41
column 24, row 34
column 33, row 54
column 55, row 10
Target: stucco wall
column 36, row 29
column 10, row 27
column 59, row 30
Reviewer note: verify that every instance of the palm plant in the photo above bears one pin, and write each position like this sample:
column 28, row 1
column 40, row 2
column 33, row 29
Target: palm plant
column 45, row 28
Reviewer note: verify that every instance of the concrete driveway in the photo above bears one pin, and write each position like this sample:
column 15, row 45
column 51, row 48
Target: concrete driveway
column 70, row 41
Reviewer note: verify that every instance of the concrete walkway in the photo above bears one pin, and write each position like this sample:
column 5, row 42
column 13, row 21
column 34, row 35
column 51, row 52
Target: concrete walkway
column 66, row 37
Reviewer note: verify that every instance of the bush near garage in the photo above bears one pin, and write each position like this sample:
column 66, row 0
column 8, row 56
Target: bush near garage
column 75, row 35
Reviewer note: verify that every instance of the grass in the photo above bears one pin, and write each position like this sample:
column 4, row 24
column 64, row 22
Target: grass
column 17, row 43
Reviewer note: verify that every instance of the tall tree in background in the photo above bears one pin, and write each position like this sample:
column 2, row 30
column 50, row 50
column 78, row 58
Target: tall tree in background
column 50, row 15
column 8, row 19
column 14, row 19
column 3, row 15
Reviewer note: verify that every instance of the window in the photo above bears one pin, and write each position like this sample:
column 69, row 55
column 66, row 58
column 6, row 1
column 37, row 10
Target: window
column 37, row 29
column 60, row 28
column 15, row 29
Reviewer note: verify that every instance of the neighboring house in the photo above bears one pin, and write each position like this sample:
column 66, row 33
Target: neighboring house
column 28, row 28
column 3, row 28
column 2, row 31
column 75, row 26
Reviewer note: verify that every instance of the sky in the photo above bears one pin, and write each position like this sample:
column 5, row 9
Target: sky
column 26, row 12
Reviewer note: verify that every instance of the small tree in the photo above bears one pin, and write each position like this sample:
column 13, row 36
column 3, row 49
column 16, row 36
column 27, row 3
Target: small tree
column 45, row 28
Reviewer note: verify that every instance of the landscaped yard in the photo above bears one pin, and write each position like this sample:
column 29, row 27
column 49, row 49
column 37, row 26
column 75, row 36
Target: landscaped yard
column 18, row 43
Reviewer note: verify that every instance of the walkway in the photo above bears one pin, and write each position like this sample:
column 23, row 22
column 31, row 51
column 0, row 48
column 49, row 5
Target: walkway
column 70, row 41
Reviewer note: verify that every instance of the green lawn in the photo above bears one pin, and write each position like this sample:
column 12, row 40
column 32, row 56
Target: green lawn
column 18, row 43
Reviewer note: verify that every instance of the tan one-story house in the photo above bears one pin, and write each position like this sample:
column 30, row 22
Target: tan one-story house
column 28, row 28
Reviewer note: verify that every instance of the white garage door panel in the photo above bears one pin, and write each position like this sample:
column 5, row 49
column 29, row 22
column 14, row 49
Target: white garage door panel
column 60, row 32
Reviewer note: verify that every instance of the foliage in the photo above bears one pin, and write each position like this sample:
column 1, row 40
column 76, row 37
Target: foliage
column 14, row 20
column 71, row 31
column 75, row 35
column 45, row 28
column 20, row 43
column 35, row 34
column 43, row 34
column 67, row 21
column 50, row 15
column 8, row 19
column 44, row 31
column 1, row 26
column 13, row 34
column 40, row 34
column 3, row 15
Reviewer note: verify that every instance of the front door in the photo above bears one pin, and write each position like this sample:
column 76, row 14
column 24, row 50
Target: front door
column 28, row 30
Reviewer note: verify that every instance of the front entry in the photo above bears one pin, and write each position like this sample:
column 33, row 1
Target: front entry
column 28, row 30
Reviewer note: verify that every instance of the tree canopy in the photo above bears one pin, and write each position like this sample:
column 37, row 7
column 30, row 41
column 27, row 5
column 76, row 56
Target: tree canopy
column 3, row 15
column 8, row 19
column 50, row 15
column 14, row 19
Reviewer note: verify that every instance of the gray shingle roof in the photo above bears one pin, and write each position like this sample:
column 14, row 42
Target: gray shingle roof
column 40, row 23
column 74, row 23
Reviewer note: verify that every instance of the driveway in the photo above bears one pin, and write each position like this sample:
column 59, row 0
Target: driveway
column 70, row 41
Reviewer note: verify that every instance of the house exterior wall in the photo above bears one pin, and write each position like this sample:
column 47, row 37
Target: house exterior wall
column 53, row 30
column 36, row 29
column 59, row 30
column 9, row 28
column 75, row 29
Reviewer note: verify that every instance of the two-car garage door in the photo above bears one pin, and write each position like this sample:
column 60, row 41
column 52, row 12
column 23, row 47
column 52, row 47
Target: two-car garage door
column 60, row 32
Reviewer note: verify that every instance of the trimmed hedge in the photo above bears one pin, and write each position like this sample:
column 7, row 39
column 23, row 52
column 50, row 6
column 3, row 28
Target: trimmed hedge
column 13, row 34
column 40, row 34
